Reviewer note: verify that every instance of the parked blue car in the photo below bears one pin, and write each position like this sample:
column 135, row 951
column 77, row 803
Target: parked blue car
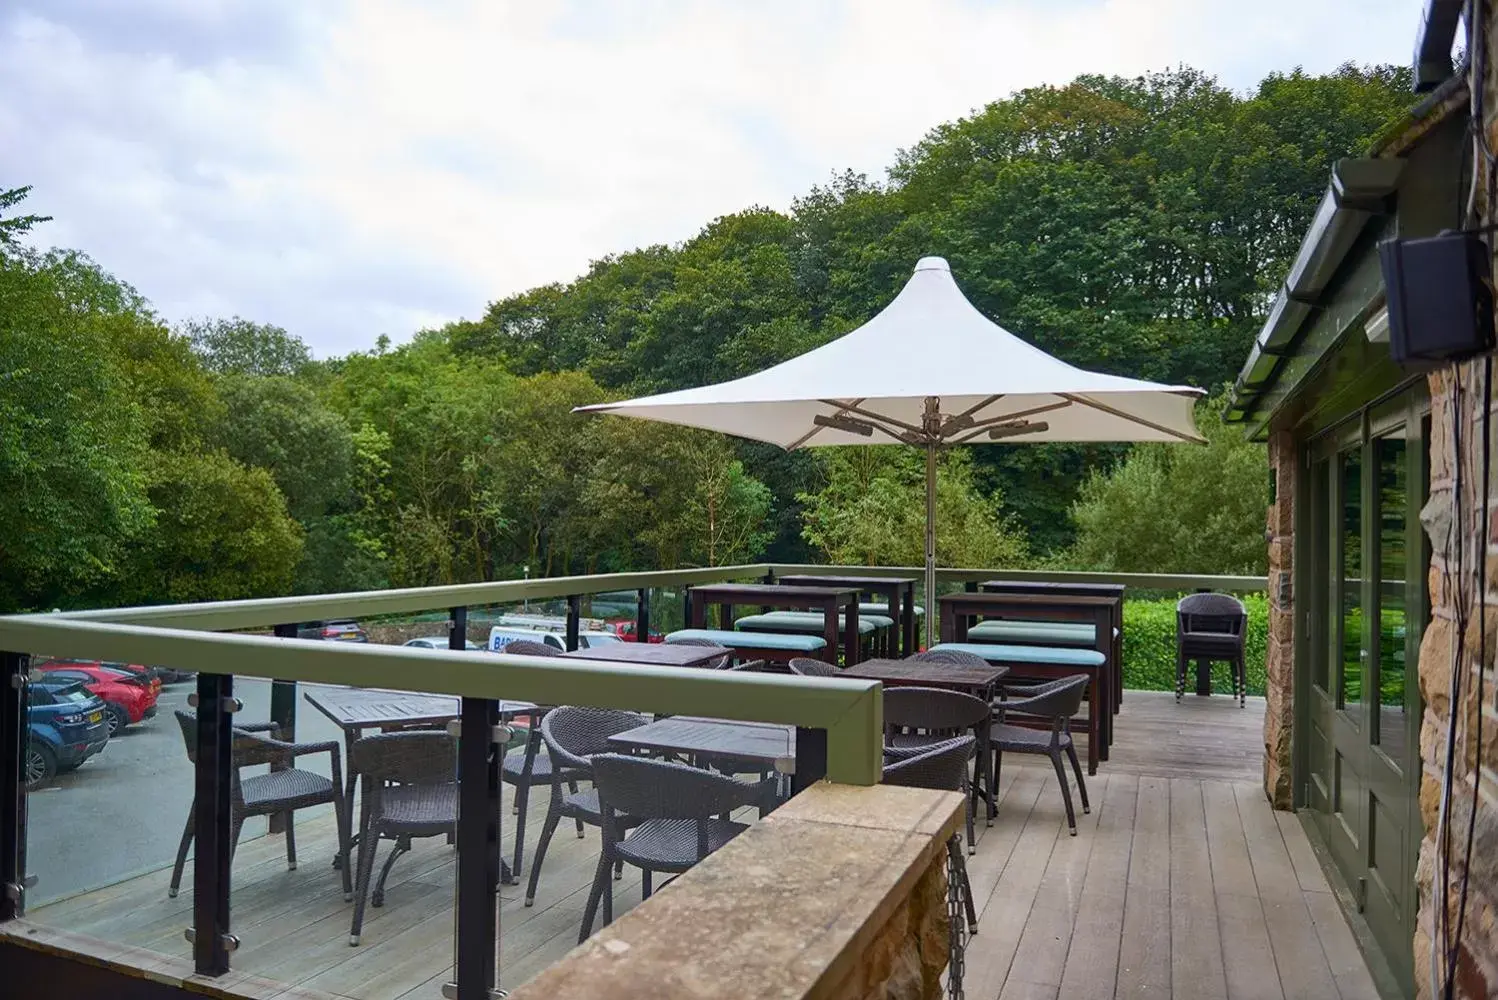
column 66, row 725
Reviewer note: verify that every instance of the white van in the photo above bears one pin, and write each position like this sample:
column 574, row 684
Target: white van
column 502, row 636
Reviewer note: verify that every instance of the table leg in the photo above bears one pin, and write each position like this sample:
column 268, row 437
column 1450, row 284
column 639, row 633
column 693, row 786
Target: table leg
column 350, row 783
column 852, row 641
column 696, row 610
column 907, row 623
column 829, row 630
column 1094, row 721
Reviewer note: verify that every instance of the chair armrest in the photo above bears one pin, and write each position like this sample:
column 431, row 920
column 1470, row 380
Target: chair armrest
column 257, row 727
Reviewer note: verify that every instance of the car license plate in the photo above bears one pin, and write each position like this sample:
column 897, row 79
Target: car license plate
column 95, row 716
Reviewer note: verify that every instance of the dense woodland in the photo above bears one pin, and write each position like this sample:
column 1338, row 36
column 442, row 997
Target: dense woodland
column 1135, row 226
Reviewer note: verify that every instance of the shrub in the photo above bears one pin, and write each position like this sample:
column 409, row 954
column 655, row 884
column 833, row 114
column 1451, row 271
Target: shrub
column 1150, row 646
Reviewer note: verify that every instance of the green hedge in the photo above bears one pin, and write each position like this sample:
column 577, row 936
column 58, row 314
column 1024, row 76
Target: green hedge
column 1150, row 647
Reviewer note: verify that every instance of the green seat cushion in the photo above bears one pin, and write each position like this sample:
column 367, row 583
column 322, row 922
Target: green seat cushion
column 1015, row 632
column 875, row 608
column 751, row 640
column 1048, row 655
column 805, row 621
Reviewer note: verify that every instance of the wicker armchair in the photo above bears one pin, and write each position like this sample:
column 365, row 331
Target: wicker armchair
column 280, row 792
column 532, row 767
column 718, row 664
column 942, row 766
column 956, row 657
column 1212, row 627
column 804, row 666
column 573, row 736
column 677, row 811
column 410, row 789
column 1056, row 701
column 917, row 717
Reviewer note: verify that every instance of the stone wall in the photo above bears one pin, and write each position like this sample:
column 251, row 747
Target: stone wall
column 1279, row 693
column 1460, row 536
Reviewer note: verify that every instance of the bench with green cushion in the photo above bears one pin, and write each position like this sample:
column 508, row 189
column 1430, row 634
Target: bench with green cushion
column 1049, row 662
column 773, row 646
column 879, row 608
column 1024, row 633
column 805, row 621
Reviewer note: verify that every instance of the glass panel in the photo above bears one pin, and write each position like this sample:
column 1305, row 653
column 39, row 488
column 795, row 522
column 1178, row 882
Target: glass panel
column 108, row 788
column 1393, row 482
column 1349, row 697
column 1320, row 542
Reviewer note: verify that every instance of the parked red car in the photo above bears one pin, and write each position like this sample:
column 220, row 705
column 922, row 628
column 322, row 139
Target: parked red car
column 129, row 697
column 624, row 628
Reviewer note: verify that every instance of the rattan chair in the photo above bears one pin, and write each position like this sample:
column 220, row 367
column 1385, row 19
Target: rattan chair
column 720, row 663
column 804, row 666
column 533, row 766
column 678, row 810
column 1212, row 627
column 280, row 791
column 573, row 736
column 409, row 782
column 918, row 717
column 1056, row 701
column 956, row 657
column 941, row 766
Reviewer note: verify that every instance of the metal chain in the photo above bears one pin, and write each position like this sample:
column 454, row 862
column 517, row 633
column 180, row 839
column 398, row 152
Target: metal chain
column 957, row 922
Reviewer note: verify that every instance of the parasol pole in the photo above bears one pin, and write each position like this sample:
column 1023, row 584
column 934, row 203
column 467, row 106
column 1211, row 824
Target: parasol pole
column 932, row 425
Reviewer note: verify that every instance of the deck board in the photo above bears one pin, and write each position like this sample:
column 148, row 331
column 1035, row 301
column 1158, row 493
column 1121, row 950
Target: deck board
column 1180, row 883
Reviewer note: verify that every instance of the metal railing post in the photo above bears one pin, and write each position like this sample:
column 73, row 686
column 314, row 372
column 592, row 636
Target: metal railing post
column 574, row 619
column 283, row 699
column 13, row 739
column 811, row 758
column 212, row 826
column 478, row 851
column 642, row 615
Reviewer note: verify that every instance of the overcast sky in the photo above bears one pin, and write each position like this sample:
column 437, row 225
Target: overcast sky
column 351, row 169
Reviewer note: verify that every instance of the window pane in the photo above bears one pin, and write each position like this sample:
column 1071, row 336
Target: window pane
column 1392, row 510
column 1351, row 692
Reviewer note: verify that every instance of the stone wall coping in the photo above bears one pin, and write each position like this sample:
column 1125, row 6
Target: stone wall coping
column 785, row 910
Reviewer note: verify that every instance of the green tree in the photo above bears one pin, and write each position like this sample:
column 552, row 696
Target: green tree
column 222, row 532
column 278, row 424
column 74, row 434
column 872, row 511
column 13, row 228
column 239, row 346
column 1178, row 508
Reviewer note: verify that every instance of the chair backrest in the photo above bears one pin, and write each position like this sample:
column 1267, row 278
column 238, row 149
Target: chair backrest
column 646, row 788
column 1211, row 613
column 529, row 647
column 805, row 666
column 1056, row 700
column 933, row 710
column 718, row 664
column 941, row 766
column 575, row 734
column 409, row 757
column 246, row 750
column 956, row 657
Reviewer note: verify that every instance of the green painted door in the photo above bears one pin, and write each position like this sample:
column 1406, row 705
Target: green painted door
column 1365, row 606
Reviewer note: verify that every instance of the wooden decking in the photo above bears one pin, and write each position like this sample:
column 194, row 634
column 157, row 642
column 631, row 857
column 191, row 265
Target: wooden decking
column 1181, row 883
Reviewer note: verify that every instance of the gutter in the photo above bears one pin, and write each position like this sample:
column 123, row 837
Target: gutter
column 1433, row 44
column 1360, row 190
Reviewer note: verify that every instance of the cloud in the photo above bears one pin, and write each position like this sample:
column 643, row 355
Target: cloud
column 376, row 166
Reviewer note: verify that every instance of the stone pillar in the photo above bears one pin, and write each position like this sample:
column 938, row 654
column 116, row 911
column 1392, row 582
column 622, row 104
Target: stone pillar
column 1279, row 694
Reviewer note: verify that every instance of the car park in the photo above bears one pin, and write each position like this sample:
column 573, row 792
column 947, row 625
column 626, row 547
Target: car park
column 128, row 697
column 334, row 630
column 502, row 636
column 65, row 726
column 438, row 642
column 624, row 628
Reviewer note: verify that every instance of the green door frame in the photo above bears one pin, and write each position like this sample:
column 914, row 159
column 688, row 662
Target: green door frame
column 1380, row 876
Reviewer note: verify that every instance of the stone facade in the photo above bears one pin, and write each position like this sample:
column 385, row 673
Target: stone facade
column 907, row 957
column 1460, row 535
column 1279, row 694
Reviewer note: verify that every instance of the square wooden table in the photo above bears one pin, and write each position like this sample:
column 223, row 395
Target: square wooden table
column 656, row 654
column 898, row 592
column 356, row 709
column 1114, row 591
column 831, row 601
column 765, row 743
column 958, row 610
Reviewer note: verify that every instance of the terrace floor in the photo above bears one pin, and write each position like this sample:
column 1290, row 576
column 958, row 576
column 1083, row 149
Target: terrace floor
column 1180, row 883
